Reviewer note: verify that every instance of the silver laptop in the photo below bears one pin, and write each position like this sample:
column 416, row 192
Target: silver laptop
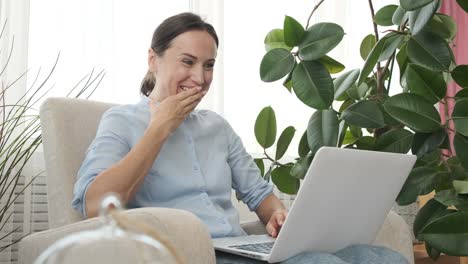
column 344, row 200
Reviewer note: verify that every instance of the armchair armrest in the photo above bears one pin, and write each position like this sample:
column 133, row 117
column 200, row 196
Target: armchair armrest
column 188, row 234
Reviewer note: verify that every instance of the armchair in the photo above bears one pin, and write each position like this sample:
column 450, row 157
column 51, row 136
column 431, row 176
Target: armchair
column 68, row 127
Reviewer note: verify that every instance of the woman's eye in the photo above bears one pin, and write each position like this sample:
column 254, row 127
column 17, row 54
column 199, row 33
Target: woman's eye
column 188, row 62
column 209, row 66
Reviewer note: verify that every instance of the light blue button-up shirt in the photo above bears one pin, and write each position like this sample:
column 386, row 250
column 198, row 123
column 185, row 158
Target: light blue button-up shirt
column 195, row 170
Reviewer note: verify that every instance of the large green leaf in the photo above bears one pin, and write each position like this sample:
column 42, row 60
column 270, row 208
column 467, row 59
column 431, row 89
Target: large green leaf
column 411, row 5
column 420, row 17
column 462, row 94
column 265, row 127
column 276, row 64
column 461, row 147
column 284, row 181
column 364, row 114
column 450, row 197
column 403, row 61
column 424, row 143
column 413, row 111
column 461, row 187
column 344, row 82
column 460, row 75
column 322, row 129
column 293, row 31
column 420, row 181
column 396, row 141
column 443, row 25
column 332, row 65
column 283, row 141
column 299, row 169
column 313, row 85
column 463, row 4
column 400, row 16
column 426, row 83
column 430, row 51
column 275, row 40
column 366, row 46
column 431, row 211
column 303, row 147
column 319, row 39
column 448, row 234
column 383, row 17
column 382, row 50
column 460, row 116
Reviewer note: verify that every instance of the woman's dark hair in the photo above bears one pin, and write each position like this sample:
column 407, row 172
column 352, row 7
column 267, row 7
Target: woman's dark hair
column 166, row 32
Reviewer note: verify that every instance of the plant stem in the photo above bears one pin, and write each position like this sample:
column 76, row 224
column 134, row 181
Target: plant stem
column 311, row 13
column 391, row 72
column 376, row 32
column 274, row 162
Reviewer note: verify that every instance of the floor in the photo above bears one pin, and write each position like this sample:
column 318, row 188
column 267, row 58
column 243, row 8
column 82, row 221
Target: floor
column 420, row 257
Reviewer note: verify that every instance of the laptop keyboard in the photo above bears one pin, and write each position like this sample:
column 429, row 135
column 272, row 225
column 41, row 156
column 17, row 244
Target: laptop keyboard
column 257, row 247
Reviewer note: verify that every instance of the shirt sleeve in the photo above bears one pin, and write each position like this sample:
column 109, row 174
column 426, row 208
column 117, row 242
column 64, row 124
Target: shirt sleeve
column 250, row 187
column 109, row 147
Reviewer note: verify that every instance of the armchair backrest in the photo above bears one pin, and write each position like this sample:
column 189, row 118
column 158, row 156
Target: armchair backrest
column 68, row 127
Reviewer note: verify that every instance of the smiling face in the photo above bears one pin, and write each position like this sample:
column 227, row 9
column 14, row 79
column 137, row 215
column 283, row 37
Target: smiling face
column 186, row 64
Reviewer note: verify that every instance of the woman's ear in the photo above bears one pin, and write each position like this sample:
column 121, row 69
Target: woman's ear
column 152, row 58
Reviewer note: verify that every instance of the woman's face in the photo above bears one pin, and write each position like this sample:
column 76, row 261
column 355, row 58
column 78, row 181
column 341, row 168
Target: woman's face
column 186, row 64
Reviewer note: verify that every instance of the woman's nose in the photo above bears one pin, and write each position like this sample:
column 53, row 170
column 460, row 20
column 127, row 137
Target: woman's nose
column 198, row 75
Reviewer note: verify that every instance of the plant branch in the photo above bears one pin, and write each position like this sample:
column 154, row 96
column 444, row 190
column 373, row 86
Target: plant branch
column 376, row 32
column 313, row 11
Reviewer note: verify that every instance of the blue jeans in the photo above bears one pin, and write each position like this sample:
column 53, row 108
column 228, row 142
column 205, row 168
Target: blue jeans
column 357, row 254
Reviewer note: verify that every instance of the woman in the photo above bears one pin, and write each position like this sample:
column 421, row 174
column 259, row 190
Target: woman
column 160, row 152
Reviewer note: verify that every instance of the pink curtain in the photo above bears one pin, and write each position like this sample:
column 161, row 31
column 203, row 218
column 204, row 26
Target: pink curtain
column 451, row 8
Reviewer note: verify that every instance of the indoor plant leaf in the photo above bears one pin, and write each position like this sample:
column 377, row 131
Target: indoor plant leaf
column 420, row 181
column 299, row 169
column 443, row 25
column 424, row 143
column 426, row 83
column 313, row 85
column 332, row 65
column 282, row 179
column 460, row 116
column 293, row 31
column 463, row 4
column 319, row 39
column 276, row 64
column 396, row 141
column 383, row 17
column 413, row 111
column 283, row 141
column 275, row 40
column 366, row 143
column 462, row 94
column 449, row 234
column 461, row 147
column 322, row 129
column 411, row 5
column 382, row 50
column 429, row 50
column 366, row 46
column 303, row 147
column 461, row 187
column 450, row 197
column 460, row 75
column 260, row 165
column 431, row 211
column 400, row 16
column 420, row 17
column 265, row 127
column 344, row 82
column 364, row 114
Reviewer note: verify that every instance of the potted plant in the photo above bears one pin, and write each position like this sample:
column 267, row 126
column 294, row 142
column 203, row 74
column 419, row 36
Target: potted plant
column 20, row 136
column 355, row 109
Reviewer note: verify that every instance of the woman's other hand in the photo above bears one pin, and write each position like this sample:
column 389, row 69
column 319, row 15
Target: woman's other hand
column 171, row 112
column 276, row 221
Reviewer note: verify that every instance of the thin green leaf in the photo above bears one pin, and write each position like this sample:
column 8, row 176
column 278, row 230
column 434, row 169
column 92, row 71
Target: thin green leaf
column 293, row 31
column 283, row 141
column 344, row 82
column 265, row 127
